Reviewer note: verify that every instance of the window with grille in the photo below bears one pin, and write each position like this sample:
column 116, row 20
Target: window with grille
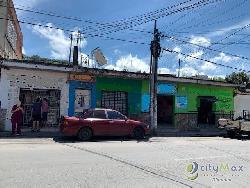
column 115, row 100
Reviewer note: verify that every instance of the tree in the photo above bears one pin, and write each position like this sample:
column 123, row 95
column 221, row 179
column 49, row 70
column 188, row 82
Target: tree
column 217, row 78
column 37, row 58
column 238, row 78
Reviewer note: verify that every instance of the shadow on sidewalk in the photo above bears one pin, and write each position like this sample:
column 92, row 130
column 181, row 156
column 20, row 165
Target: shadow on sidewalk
column 104, row 139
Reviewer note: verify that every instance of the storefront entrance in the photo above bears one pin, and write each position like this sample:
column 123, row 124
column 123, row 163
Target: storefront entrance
column 165, row 106
column 27, row 97
column 205, row 111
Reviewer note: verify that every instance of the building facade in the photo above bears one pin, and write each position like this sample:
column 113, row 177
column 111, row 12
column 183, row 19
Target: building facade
column 24, row 82
column 242, row 105
column 183, row 103
column 11, row 38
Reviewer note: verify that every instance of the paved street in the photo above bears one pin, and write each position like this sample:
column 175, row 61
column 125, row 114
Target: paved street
column 158, row 162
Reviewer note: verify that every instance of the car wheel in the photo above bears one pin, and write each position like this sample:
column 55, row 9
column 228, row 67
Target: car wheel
column 85, row 134
column 139, row 133
column 231, row 134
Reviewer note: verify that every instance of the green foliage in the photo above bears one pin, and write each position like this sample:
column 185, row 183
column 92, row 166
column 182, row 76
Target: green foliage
column 238, row 78
column 220, row 79
column 37, row 58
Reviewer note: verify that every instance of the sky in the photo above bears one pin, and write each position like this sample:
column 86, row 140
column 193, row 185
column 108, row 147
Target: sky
column 217, row 32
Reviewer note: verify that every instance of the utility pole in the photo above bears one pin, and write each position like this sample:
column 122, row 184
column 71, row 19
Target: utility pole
column 70, row 48
column 155, row 53
column 179, row 68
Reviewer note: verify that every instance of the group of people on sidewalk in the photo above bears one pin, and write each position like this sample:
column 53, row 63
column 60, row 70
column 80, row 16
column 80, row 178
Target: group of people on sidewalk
column 39, row 115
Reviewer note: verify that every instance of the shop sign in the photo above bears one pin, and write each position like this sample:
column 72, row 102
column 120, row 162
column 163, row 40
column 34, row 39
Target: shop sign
column 168, row 89
column 181, row 102
column 82, row 77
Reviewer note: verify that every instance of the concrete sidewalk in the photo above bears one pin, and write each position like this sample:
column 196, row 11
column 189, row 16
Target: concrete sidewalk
column 172, row 132
column 27, row 133
column 54, row 132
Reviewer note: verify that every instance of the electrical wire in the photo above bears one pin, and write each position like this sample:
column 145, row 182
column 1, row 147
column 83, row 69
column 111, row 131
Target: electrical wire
column 72, row 31
column 204, row 47
column 202, row 59
column 146, row 17
column 202, row 23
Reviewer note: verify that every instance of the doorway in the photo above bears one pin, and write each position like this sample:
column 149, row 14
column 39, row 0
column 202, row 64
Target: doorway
column 27, row 97
column 165, row 110
column 205, row 111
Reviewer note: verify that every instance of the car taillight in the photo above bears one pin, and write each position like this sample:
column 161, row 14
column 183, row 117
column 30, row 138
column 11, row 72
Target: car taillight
column 65, row 123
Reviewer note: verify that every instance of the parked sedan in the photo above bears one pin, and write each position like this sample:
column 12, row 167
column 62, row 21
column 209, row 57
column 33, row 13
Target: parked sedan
column 103, row 122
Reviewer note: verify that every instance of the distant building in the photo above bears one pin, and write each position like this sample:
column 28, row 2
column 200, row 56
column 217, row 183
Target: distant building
column 241, row 105
column 11, row 38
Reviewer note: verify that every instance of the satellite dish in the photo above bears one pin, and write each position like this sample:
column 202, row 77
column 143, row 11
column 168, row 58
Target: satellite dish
column 99, row 57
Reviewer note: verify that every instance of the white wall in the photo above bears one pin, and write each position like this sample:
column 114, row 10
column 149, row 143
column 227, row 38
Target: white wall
column 13, row 79
column 241, row 102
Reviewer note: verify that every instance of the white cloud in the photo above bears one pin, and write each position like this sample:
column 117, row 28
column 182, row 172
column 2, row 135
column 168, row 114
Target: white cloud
column 23, row 51
column 26, row 4
column 177, row 49
column 225, row 30
column 224, row 58
column 208, row 66
column 196, row 54
column 164, row 71
column 188, row 71
column 58, row 41
column 117, row 52
column 202, row 41
column 129, row 63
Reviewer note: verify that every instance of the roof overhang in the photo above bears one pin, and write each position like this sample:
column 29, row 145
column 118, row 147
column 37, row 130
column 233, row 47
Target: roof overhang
column 28, row 64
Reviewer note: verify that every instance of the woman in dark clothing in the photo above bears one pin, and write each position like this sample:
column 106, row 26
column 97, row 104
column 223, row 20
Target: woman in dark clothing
column 36, row 114
column 17, row 118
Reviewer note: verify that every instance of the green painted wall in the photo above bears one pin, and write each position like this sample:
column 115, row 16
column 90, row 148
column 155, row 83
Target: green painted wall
column 224, row 95
column 132, row 87
column 145, row 86
column 136, row 88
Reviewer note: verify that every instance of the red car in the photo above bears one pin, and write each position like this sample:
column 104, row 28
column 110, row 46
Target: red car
column 103, row 122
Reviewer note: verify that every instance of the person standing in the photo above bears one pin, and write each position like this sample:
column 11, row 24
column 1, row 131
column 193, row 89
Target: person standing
column 45, row 110
column 36, row 115
column 17, row 118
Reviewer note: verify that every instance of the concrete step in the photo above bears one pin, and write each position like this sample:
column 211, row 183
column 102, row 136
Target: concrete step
column 169, row 132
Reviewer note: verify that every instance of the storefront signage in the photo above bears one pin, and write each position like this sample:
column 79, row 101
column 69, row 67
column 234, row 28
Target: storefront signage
column 82, row 100
column 181, row 102
column 169, row 89
column 81, row 77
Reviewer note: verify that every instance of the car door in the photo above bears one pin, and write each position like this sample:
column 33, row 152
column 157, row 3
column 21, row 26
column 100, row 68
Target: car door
column 100, row 123
column 117, row 123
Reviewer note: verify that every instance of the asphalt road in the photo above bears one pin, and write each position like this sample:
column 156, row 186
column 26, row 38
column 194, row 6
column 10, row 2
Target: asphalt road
column 157, row 162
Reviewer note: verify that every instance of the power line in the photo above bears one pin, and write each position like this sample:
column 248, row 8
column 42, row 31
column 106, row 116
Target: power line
column 71, row 31
column 201, row 23
column 208, row 48
column 88, row 21
column 139, row 22
column 143, row 19
column 232, row 34
column 190, row 20
column 197, row 4
column 202, row 59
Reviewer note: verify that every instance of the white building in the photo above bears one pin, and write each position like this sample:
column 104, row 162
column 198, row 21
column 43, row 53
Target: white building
column 241, row 102
column 25, row 82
